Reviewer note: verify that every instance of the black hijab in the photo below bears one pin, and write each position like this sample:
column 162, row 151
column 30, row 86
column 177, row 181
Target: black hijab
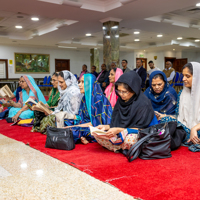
column 137, row 112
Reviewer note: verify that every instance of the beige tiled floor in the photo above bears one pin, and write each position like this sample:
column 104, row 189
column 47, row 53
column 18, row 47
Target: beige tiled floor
column 26, row 173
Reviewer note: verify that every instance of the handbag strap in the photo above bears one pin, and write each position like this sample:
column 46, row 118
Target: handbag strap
column 135, row 150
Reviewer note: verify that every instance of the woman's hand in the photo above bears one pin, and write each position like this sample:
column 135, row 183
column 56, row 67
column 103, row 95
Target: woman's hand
column 159, row 116
column 7, row 105
column 15, row 118
column 103, row 127
column 113, row 131
column 193, row 136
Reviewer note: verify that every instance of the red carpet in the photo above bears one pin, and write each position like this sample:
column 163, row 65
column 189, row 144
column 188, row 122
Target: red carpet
column 173, row 178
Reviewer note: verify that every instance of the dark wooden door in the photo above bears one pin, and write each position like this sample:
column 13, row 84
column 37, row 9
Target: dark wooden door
column 144, row 62
column 179, row 63
column 62, row 64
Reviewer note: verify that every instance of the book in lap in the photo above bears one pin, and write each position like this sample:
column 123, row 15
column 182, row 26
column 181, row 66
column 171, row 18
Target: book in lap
column 96, row 131
column 5, row 91
column 33, row 105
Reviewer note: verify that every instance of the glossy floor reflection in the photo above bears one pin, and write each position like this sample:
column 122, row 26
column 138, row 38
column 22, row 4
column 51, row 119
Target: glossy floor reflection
column 26, row 173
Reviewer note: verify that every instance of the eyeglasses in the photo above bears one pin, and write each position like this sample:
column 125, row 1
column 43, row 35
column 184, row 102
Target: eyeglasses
column 159, row 85
column 122, row 92
column 22, row 81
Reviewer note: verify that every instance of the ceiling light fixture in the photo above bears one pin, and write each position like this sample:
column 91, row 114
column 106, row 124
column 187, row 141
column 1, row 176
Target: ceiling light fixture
column 104, row 28
column 35, row 19
column 159, row 35
column 173, row 49
column 19, row 27
column 136, row 32
column 144, row 50
column 197, row 40
column 107, row 36
column 198, row 4
column 137, row 40
column 179, row 38
column 88, row 34
column 116, row 36
column 114, row 27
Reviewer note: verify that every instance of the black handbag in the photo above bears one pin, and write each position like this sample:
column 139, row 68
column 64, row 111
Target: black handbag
column 154, row 143
column 59, row 138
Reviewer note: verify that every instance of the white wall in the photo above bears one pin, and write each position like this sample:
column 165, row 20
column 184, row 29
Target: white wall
column 191, row 55
column 77, row 58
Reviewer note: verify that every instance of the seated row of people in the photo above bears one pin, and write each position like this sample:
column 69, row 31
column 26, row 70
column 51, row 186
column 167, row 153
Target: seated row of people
column 129, row 108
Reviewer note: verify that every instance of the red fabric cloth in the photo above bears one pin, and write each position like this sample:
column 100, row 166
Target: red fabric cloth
column 172, row 178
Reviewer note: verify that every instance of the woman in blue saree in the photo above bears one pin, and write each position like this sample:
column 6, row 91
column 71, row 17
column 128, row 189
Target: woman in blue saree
column 95, row 109
column 29, row 90
column 163, row 97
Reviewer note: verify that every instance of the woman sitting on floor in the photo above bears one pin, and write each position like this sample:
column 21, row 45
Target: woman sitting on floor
column 133, row 110
column 29, row 90
column 188, row 106
column 54, row 95
column 69, row 102
column 51, row 103
column 95, row 109
column 8, row 105
column 163, row 97
column 115, row 73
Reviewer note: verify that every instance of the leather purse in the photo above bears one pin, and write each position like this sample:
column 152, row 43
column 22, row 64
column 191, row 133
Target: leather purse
column 154, row 143
column 59, row 138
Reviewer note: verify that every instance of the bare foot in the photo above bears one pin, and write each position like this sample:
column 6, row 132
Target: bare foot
column 1, row 109
column 84, row 141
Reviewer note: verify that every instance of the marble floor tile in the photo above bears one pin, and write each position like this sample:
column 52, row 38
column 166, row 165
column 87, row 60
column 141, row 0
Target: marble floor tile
column 26, row 173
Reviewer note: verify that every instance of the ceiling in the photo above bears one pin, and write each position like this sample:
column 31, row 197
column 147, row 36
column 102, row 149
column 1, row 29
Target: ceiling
column 64, row 23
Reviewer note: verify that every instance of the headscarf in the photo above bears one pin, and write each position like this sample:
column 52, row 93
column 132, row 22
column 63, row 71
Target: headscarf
column 189, row 104
column 113, row 96
column 70, row 98
column 34, row 88
column 97, row 105
column 54, row 98
column 137, row 112
column 165, row 102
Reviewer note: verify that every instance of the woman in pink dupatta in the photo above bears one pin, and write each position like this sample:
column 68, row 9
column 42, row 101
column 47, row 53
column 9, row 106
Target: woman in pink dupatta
column 115, row 73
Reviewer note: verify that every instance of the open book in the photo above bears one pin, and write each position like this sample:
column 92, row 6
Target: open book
column 33, row 105
column 96, row 131
column 5, row 91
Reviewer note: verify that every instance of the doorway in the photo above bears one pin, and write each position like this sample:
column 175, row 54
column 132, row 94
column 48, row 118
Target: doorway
column 144, row 62
column 62, row 64
column 3, row 68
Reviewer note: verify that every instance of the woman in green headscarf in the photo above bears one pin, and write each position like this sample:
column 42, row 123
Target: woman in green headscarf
column 54, row 94
column 51, row 103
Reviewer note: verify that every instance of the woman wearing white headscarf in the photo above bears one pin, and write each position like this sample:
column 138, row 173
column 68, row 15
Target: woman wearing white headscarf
column 188, row 106
column 68, row 105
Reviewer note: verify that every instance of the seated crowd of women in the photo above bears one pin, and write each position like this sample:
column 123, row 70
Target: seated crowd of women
column 121, row 111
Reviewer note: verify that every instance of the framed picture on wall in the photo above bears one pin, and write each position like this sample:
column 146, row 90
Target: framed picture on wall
column 31, row 63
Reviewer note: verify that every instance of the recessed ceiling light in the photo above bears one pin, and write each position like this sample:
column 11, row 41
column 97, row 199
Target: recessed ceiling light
column 88, row 34
column 179, row 38
column 198, row 4
column 35, row 18
column 197, row 40
column 137, row 40
column 136, row 32
column 107, row 36
column 144, row 50
column 104, row 28
column 19, row 27
column 116, row 36
column 159, row 35
column 174, row 49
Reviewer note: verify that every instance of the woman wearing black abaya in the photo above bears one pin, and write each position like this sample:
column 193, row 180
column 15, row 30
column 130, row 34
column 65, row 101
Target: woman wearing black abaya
column 133, row 110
